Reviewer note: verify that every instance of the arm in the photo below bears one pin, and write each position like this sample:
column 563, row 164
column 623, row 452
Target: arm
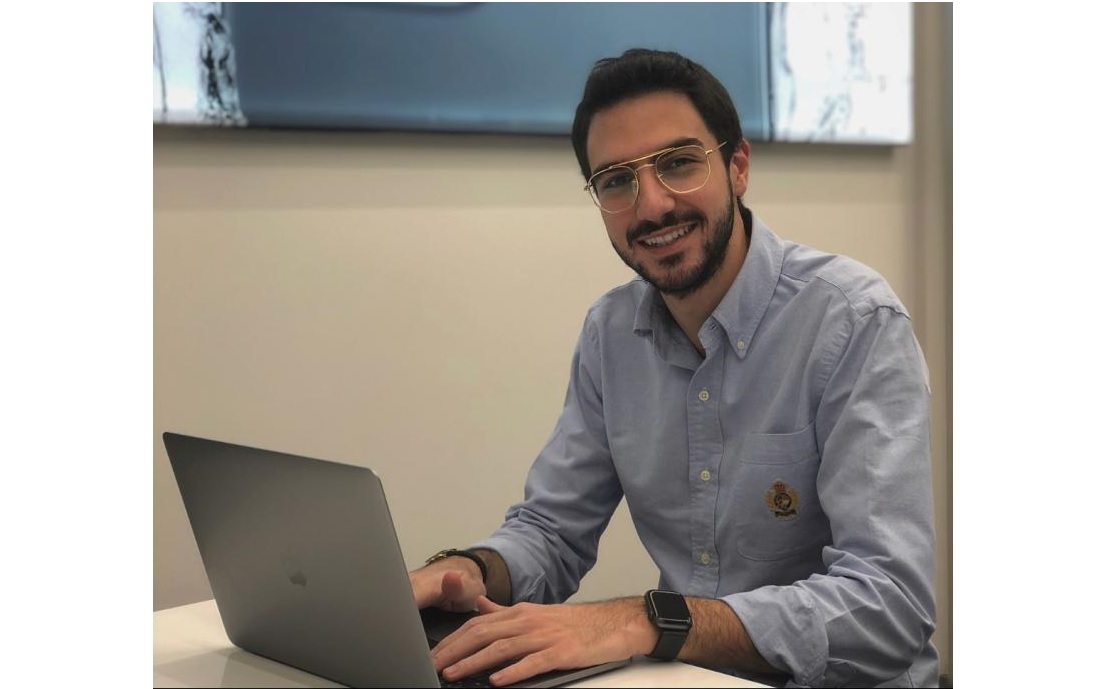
column 550, row 637
column 454, row 583
column 868, row 618
column 499, row 578
column 719, row 639
column 549, row 540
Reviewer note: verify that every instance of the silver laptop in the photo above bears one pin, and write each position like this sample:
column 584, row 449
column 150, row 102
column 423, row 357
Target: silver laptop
column 305, row 566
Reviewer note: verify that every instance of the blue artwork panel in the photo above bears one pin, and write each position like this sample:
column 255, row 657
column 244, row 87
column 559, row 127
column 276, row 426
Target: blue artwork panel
column 796, row 71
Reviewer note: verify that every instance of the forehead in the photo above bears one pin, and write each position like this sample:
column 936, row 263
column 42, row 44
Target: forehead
column 641, row 125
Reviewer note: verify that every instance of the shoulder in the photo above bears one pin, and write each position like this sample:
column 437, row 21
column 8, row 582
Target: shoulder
column 619, row 306
column 844, row 281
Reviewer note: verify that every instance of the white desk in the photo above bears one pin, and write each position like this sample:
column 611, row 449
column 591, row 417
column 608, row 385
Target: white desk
column 192, row 650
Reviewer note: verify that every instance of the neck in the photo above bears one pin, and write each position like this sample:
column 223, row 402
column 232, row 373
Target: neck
column 691, row 311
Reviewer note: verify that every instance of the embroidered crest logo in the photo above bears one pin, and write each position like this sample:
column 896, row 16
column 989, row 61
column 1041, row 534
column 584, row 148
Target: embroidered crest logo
column 783, row 501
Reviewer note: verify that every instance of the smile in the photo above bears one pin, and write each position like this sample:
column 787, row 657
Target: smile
column 668, row 237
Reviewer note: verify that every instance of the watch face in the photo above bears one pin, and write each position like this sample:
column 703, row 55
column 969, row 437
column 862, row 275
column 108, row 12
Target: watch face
column 669, row 607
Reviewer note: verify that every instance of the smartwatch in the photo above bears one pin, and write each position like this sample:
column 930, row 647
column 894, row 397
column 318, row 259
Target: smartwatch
column 669, row 614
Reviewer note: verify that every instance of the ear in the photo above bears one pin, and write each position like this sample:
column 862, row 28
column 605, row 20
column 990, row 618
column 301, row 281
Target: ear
column 739, row 168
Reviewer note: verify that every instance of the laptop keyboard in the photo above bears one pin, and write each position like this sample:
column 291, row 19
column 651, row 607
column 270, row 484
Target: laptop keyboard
column 480, row 680
column 439, row 623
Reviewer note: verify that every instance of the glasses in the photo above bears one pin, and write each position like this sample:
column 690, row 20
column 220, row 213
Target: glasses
column 681, row 169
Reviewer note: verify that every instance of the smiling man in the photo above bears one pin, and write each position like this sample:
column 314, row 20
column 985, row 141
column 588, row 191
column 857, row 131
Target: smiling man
column 763, row 407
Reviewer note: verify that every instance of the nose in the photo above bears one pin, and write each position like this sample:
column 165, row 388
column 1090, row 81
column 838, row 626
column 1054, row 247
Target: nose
column 654, row 200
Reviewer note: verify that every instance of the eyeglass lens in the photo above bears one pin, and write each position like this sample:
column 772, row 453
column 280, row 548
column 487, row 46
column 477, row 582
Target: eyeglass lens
column 682, row 170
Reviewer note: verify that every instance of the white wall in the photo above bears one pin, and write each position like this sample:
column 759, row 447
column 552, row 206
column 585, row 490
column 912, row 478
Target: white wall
column 410, row 303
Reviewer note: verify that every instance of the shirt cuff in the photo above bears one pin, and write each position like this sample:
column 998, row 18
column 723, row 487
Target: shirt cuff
column 786, row 628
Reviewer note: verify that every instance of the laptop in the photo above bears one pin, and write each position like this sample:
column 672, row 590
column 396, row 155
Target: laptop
column 306, row 568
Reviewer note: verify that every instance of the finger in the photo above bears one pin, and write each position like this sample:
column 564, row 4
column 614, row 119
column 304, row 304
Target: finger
column 485, row 605
column 496, row 654
column 528, row 666
column 459, row 592
column 474, row 639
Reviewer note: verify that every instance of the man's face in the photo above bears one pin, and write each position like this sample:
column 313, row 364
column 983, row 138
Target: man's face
column 675, row 241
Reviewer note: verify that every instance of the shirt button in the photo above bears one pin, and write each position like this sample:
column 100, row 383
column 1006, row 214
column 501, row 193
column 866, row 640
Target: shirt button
column 704, row 475
column 741, row 345
column 704, row 395
column 705, row 558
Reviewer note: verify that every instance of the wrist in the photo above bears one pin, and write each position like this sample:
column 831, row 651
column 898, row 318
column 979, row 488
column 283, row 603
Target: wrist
column 644, row 633
column 461, row 559
column 638, row 634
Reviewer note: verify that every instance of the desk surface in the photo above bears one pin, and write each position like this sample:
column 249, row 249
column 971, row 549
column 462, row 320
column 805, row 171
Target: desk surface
column 192, row 650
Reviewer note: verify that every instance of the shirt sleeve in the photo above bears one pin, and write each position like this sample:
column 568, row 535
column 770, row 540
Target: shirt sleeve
column 550, row 540
column 869, row 616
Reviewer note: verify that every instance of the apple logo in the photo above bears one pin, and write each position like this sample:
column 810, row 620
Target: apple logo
column 293, row 570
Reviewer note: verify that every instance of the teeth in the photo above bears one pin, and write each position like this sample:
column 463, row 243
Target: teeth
column 666, row 239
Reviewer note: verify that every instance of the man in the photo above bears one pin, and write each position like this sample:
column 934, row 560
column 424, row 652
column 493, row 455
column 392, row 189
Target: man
column 762, row 406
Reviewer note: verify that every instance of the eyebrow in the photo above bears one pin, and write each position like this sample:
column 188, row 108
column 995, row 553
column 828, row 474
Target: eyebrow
column 675, row 143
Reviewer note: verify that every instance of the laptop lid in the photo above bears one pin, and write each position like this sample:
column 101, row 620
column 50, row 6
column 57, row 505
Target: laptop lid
column 303, row 561
column 305, row 565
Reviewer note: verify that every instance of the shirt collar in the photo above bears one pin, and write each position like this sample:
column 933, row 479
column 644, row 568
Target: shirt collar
column 741, row 309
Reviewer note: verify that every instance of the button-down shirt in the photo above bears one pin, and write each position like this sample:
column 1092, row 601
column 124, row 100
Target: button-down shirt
column 785, row 472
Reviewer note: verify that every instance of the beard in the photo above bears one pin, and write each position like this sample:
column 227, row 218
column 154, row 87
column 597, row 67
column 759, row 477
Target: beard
column 685, row 282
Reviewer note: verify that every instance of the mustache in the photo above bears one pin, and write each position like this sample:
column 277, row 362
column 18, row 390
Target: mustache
column 648, row 227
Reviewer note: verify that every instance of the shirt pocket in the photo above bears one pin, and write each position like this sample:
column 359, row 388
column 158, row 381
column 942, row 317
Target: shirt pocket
column 778, row 514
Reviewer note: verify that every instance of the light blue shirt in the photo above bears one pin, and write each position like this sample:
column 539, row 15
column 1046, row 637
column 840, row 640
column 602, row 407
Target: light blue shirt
column 787, row 472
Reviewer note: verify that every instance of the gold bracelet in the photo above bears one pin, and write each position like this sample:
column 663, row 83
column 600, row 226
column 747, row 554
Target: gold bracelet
column 452, row 552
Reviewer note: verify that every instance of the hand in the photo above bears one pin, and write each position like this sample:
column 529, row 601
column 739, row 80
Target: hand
column 449, row 584
column 539, row 638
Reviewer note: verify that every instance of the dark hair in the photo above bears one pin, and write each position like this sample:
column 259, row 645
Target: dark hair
column 640, row 71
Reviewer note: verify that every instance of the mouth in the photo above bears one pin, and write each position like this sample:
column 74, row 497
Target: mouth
column 668, row 236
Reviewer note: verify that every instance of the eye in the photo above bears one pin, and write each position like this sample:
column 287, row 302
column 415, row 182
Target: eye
column 679, row 161
column 614, row 180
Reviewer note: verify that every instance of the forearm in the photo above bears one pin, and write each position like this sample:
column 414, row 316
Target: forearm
column 719, row 639
column 499, row 577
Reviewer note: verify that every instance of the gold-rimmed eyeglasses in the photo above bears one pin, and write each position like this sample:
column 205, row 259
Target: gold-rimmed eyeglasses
column 681, row 169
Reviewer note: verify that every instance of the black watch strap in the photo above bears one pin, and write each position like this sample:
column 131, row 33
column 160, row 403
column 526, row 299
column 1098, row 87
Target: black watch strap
column 453, row 552
column 669, row 644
